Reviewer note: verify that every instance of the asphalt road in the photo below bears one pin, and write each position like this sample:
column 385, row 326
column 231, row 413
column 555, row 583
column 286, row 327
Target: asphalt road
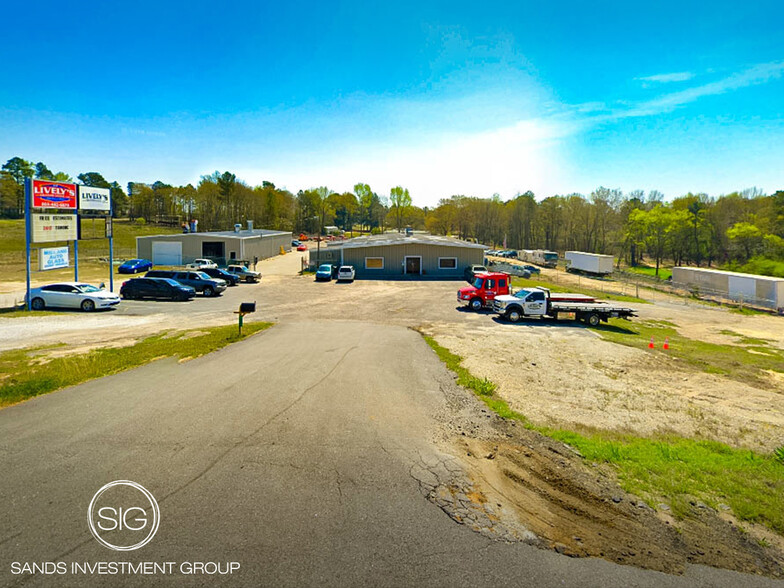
column 306, row 468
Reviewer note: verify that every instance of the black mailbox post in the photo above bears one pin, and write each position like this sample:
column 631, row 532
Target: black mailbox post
column 245, row 308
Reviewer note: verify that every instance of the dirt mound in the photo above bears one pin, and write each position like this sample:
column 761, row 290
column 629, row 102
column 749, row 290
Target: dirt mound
column 581, row 511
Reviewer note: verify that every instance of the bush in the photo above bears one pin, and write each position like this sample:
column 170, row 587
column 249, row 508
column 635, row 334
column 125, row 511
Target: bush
column 140, row 221
column 375, row 231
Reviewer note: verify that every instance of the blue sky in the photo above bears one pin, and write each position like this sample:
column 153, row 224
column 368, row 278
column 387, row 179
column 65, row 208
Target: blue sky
column 440, row 97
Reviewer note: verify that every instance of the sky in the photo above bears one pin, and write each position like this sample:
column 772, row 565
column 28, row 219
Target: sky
column 442, row 98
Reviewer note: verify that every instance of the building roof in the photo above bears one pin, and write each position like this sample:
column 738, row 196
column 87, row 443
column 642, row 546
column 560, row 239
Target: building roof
column 401, row 239
column 726, row 273
column 244, row 234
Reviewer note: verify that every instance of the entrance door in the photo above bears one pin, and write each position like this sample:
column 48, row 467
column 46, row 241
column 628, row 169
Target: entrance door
column 413, row 265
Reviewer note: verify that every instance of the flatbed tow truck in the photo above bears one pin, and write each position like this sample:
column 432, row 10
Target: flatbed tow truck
column 540, row 302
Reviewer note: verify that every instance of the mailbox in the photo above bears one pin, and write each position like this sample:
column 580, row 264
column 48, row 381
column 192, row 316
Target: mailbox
column 247, row 307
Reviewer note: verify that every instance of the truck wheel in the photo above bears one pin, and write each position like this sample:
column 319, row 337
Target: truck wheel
column 208, row 291
column 514, row 315
column 476, row 305
column 593, row 319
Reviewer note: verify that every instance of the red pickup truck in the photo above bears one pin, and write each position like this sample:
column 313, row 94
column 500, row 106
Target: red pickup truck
column 486, row 286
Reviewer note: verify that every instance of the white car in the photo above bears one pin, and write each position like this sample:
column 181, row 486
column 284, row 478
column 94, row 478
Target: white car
column 72, row 295
column 201, row 263
column 346, row 273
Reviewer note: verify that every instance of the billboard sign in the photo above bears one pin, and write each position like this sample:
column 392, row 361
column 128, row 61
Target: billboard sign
column 53, row 227
column 54, row 258
column 97, row 199
column 47, row 194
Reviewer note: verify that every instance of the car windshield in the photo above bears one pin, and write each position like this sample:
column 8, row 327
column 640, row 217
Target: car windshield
column 522, row 293
column 203, row 276
column 87, row 288
column 345, row 269
column 325, row 268
column 132, row 261
column 169, row 281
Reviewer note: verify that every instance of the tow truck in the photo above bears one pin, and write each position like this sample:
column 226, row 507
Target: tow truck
column 483, row 290
column 539, row 302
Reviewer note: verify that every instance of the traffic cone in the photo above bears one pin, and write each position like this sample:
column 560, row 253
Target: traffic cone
column 651, row 345
column 666, row 343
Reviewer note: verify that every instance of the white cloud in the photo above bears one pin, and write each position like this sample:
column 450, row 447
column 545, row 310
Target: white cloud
column 681, row 76
column 755, row 75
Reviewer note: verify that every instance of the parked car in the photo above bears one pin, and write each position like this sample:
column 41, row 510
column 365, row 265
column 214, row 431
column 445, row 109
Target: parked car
column 200, row 264
column 324, row 272
column 199, row 281
column 243, row 273
column 221, row 274
column 302, row 247
column 532, row 269
column 296, row 243
column 470, row 270
column 134, row 266
column 165, row 288
column 346, row 273
column 72, row 295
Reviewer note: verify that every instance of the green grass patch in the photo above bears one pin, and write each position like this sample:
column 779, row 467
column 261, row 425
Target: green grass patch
column 672, row 470
column 746, row 361
column 25, row 373
column 665, row 273
column 19, row 311
column 482, row 387
column 528, row 283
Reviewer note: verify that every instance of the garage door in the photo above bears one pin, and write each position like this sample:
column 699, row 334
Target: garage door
column 166, row 253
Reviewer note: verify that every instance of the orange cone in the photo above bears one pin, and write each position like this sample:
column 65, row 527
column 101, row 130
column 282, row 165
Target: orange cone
column 651, row 345
column 666, row 343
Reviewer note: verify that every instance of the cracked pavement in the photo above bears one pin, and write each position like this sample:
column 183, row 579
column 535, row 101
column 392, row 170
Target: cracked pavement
column 314, row 453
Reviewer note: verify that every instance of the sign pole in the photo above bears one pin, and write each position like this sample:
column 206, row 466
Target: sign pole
column 111, row 245
column 28, row 190
column 76, row 259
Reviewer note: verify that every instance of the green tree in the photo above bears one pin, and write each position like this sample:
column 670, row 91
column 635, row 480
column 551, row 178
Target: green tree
column 16, row 169
column 748, row 236
column 42, row 172
column 399, row 201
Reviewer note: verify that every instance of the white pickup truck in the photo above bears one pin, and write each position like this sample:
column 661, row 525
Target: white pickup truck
column 200, row 264
column 539, row 302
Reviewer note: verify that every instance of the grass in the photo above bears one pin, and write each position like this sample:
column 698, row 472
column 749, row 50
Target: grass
column 673, row 470
column 665, row 273
column 12, row 238
column 19, row 311
column 745, row 361
column 26, row 373
column 527, row 283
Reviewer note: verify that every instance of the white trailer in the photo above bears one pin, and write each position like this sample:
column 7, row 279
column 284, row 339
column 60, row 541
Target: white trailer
column 539, row 257
column 591, row 263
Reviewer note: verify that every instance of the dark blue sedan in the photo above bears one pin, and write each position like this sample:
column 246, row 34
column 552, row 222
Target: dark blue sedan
column 134, row 266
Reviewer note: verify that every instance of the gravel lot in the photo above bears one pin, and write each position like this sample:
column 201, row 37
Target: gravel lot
column 559, row 374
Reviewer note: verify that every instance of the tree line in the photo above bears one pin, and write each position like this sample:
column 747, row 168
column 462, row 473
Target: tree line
column 635, row 227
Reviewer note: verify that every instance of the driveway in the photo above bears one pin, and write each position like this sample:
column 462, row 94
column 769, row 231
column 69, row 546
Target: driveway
column 308, row 468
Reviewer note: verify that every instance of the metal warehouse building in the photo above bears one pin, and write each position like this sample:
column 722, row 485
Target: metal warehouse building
column 394, row 255
column 220, row 246
column 762, row 291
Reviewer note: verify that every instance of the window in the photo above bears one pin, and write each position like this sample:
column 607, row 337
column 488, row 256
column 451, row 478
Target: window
column 536, row 297
column 502, row 283
column 447, row 262
column 490, row 284
column 374, row 263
